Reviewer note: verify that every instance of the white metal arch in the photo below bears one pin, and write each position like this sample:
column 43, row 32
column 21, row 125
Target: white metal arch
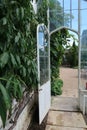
column 63, row 27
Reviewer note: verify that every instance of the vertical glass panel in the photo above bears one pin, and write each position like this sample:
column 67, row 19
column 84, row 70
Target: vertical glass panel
column 43, row 55
column 75, row 4
column 83, row 44
column 56, row 14
column 83, row 19
column 67, row 20
column 84, row 59
column 66, row 5
column 75, row 20
column 63, row 13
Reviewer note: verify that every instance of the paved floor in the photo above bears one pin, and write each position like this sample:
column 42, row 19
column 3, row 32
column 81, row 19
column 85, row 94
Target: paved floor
column 65, row 104
column 70, row 82
column 64, row 113
column 57, row 119
column 50, row 127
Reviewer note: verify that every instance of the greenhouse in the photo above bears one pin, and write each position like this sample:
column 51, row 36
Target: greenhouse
column 37, row 39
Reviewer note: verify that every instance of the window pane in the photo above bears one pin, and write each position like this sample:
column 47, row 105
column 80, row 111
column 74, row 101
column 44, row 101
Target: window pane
column 43, row 55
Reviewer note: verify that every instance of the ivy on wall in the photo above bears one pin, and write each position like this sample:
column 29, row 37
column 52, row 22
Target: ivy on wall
column 17, row 52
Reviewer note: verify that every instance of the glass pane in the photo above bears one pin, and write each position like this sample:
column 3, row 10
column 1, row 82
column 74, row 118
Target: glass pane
column 44, row 72
column 75, row 20
column 83, row 44
column 75, row 4
column 43, row 55
column 67, row 20
column 67, row 5
column 83, row 20
column 56, row 14
column 63, row 13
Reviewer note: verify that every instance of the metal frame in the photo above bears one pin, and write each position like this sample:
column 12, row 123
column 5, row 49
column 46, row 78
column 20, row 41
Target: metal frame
column 38, row 52
column 44, row 89
column 77, row 32
column 64, row 27
column 84, row 104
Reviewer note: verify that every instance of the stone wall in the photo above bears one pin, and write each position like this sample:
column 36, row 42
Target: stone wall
column 21, row 119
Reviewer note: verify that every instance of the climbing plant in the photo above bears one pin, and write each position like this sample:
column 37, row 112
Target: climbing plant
column 57, row 43
column 42, row 12
column 17, row 52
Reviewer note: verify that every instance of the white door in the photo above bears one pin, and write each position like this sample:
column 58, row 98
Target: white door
column 43, row 59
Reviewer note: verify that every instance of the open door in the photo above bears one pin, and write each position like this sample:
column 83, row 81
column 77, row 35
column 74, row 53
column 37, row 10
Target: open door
column 43, row 59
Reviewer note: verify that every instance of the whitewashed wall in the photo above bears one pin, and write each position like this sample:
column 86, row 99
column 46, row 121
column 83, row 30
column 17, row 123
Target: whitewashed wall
column 83, row 106
column 25, row 117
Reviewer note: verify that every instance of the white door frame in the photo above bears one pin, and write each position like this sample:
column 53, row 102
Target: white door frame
column 44, row 90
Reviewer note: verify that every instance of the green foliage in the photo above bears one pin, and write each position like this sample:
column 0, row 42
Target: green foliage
column 17, row 52
column 42, row 11
column 57, row 84
column 5, row 103
column 4, row 59
column 58, row 17
column 71, row 55
column 58, row 40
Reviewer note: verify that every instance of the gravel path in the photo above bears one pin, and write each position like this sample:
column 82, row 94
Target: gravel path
column 70, row 82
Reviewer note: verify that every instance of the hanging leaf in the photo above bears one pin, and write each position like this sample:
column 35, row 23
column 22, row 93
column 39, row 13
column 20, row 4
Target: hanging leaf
column 4, row 59
column 9, row 82
column 24, row 71
column 3, row 111
column 5, row 95
column 13, row 60
column 19, row 90
column 18, row 13
column 18, row 59
column 17, row 37
column 14, row 87
column 22, row 12
column 4, row 21
column 13, row 2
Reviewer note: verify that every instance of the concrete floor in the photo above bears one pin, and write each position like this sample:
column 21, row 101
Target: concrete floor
column 65, row 104
column 65, row 119
column 50, row 127
column 64, row 113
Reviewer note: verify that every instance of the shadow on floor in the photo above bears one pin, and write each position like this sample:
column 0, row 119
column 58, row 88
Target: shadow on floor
column 35, row 122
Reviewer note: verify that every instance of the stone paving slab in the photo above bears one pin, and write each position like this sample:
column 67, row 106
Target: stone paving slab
column 70, row 82
column 66, row 119
column 64, row 103
column 49, row 127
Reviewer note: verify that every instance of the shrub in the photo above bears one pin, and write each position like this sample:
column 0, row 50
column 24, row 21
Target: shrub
column 56, row 88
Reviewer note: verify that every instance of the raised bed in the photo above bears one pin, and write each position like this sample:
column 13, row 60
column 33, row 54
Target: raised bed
column 22, row 113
